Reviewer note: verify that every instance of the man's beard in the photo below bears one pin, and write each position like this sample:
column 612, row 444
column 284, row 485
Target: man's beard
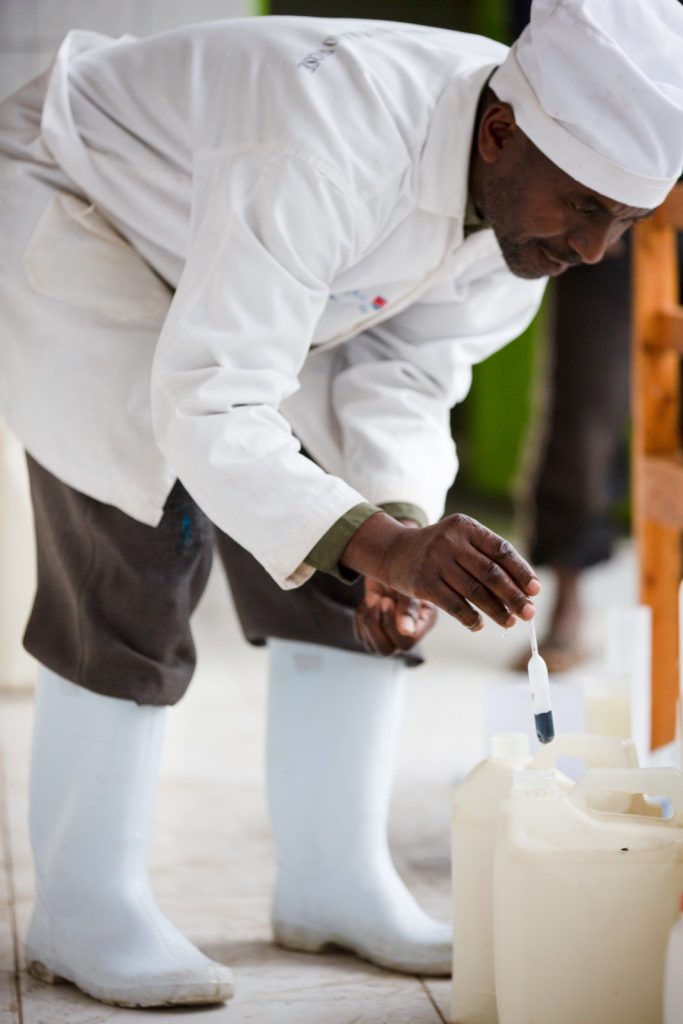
column 500, row 200
column 519, row 257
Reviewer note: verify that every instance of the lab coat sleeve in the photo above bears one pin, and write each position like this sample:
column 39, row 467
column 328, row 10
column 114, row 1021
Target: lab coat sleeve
column 398, row 381
column 269, row 231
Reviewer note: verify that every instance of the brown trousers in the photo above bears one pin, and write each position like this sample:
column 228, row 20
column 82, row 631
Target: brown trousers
column 114, row 597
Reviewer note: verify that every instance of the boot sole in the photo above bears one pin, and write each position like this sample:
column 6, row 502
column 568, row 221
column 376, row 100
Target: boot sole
column 306, row 940
column 39, row 970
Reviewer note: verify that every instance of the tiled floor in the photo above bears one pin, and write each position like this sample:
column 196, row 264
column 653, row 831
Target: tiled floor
column 212, row 857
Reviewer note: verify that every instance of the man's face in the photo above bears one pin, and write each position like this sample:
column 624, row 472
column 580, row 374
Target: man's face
column 544, row 220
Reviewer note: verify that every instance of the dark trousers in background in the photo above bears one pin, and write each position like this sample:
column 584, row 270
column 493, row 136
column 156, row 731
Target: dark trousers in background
column 582, row 471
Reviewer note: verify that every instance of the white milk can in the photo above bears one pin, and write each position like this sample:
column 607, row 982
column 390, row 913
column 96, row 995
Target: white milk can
column 584, row 899
column 476, row 808
column 673, row 974
column 605, row 751
column 476, row 812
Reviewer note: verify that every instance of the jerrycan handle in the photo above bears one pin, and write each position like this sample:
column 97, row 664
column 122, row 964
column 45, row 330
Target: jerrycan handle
column 666, row 782
column 595, row 751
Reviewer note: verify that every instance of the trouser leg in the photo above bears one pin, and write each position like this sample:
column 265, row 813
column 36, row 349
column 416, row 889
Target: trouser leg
column 582, row 469
column 114, row 596
column 320, row 612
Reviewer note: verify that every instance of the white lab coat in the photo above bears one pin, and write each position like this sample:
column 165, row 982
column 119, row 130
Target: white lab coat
column 300, row 184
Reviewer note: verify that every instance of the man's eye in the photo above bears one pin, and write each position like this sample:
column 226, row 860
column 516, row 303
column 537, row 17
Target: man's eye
column 586, row 210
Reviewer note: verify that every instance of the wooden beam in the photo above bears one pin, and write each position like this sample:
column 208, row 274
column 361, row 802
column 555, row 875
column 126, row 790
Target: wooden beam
column 662, row 489
column 655, row 371
column 671, row 210
column 656, row 477
column 667, row 330
column 660, row 555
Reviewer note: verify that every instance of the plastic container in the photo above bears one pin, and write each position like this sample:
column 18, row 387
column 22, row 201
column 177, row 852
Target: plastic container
column 584, row 900
column 608, row 703
column 476, row 810
column 673, row 974
column 596, row 752
column 593, row 751
column 628, row 660
column 618, row 696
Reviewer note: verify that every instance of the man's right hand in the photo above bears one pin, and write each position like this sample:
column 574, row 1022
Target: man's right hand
column 457, row 564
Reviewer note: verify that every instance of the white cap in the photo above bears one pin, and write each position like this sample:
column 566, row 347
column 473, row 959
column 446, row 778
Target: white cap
column 597, row 85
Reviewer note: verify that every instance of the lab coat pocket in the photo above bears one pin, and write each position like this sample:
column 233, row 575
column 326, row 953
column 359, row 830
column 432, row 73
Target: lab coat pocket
column 75, row 256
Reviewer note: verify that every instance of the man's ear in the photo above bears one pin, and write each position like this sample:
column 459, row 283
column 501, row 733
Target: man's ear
column 497, row 129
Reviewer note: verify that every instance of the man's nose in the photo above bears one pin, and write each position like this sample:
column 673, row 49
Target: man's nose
column 590, row 241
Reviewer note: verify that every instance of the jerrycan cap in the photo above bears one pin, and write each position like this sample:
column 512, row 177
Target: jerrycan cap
column 535, row 783
column 509, row 746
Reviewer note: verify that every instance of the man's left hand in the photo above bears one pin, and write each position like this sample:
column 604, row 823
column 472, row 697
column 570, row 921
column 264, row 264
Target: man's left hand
column 387, row 622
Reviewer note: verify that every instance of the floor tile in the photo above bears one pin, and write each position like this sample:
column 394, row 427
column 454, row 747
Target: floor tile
column 273, row 987
column 440, row 991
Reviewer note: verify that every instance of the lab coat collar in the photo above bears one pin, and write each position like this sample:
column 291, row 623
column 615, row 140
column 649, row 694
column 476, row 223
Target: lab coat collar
column 444, row 165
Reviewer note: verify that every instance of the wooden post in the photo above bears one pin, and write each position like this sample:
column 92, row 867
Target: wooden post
column 657, row 482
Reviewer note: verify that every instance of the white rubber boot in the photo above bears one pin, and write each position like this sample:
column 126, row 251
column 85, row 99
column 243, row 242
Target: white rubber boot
column 333, row 726
column 93, row 782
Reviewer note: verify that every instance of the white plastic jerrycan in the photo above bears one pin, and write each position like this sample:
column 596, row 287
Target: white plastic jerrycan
column 597, row 752
column 593, row 751
column 584, row 899
column 673, row 974
column 476, row 811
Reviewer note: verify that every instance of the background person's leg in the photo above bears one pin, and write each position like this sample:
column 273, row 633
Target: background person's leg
column 110, row 625
column 583, row 468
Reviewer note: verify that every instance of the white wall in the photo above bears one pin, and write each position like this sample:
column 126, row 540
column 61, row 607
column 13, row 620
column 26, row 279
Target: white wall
column 31, row 30
column 30, row 33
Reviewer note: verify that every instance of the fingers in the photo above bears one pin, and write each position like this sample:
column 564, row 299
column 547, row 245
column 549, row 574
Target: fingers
column 489, row 578
column 448, row 599
column 370, row 625
column 459, row 565
column 392, row 626
column 412, row 617
column 388, row 623
column 503, row 574
column 468, row 586
column 389, row 616
column 504, row 555
column 406, row 613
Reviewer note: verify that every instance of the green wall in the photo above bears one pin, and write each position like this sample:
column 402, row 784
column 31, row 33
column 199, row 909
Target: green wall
column 497, row 415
